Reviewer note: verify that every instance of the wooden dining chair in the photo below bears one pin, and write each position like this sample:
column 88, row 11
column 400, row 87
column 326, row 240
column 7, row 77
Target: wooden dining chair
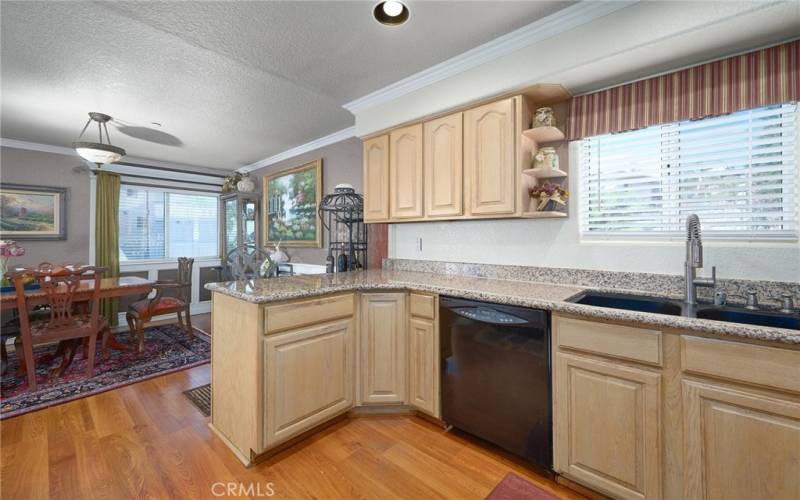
column 60, row 284
column 142, row 312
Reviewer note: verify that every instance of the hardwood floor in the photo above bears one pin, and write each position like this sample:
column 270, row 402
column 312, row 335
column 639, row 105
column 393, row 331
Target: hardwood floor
column 147, row 440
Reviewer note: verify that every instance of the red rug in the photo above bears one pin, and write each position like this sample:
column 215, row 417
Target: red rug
column 167, row 349
column 513, row 487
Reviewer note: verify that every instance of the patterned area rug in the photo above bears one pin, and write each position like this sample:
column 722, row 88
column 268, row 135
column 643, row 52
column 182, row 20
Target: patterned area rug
column 513, row 487
column 201, row 398
column 167, row 349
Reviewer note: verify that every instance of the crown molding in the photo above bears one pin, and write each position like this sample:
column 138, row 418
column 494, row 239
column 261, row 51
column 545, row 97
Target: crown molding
column 559, row 22
column 303, row 148
column 35, row 146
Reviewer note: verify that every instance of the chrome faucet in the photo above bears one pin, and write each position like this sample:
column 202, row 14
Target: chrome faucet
column 694, row 261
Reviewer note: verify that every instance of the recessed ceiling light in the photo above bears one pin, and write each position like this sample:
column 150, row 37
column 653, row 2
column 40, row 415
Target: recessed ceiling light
column 391, row 12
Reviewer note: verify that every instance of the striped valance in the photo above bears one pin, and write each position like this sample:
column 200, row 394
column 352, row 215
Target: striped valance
column 751, row 80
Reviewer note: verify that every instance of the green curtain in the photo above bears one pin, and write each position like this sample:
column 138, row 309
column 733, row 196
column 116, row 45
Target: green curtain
column 107, row 236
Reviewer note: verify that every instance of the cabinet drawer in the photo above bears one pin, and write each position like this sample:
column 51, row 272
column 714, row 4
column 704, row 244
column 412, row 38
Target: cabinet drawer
column 308, row 312
column 755, row 364
column 423, row 306
column 637, row 344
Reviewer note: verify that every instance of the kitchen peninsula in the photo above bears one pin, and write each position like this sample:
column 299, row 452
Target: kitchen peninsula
column 291, row 354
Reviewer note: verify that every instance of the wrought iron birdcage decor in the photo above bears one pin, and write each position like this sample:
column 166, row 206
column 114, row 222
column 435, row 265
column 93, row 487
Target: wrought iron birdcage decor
column 342, row 214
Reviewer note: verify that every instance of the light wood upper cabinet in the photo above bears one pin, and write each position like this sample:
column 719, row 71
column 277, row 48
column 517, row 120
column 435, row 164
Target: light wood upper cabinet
column 309, row 378
column 376, row 178
column 739, row 444
column 489, row 158
column 383, row 348
column 405, row 172
column 443, row 154
column 607, row 426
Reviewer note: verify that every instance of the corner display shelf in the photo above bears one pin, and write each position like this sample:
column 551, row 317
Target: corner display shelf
column 540, row 135
column 545, row 173
column 544, row 215
column 536, row 137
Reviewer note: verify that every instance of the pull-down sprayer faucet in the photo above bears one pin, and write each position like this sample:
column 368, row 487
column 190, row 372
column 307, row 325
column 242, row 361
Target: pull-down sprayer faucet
column 694, row 260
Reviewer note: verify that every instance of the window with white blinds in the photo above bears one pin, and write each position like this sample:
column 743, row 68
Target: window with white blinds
column 738, row 172
column 157, row 224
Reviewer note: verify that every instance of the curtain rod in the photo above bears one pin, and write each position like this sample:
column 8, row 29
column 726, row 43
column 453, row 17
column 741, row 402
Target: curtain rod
column 179, row 188
column 95, row 172
column 167, row 169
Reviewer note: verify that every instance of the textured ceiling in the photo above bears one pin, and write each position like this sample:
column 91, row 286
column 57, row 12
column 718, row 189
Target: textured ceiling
column 230, row 82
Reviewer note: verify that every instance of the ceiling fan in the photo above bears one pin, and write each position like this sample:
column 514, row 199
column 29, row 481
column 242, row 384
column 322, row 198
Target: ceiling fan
column 98, row 152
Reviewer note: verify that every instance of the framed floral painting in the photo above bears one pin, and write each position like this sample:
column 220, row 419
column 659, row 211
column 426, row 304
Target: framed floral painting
column 33, row 212
column 291, row 199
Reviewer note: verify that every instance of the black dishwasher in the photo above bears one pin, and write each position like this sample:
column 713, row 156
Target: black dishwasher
column 495, row 362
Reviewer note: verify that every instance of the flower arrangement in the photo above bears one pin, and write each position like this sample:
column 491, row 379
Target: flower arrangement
column 549, row 196
column 8, row 249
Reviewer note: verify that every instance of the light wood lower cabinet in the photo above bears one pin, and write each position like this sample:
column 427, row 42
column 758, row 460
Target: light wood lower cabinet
column 641, row 413
column 739, row 444
column 422, row 390
column 607, row 426
column 309, row 378
column 383, row 347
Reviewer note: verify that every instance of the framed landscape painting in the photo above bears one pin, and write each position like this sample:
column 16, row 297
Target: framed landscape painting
column 33, row 212
column 291, row 199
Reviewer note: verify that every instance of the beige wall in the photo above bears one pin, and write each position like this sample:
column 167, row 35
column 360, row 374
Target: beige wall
column 341, row 163
column 19, row 166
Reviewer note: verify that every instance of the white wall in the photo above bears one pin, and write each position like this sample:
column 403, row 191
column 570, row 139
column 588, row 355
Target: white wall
column 634, row 42
column 556, row 243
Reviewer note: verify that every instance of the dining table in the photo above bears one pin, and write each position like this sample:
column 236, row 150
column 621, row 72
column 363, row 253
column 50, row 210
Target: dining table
column 109, row 288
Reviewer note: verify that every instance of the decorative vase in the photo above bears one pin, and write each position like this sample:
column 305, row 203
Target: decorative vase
column 544, row 118
column 546, row 158
column 246, row 185
column 278, row 256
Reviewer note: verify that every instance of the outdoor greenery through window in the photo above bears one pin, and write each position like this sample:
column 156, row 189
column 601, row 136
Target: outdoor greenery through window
column 157, row 224
column 738, row 172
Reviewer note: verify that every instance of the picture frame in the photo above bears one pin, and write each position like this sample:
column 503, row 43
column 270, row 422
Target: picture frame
column 289, row 197
column 33, row 212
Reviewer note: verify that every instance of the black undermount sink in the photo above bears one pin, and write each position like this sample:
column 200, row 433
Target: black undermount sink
column 748, row 317
column 628, row 302
column 660, row 305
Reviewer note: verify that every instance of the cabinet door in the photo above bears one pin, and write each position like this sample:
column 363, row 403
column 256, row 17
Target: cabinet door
column 309, row 378
column 739, row 444
column 489, row 146
column 423, row 366
column 383, row 348
column 443, row 166
column 405, row 172
column 376, row 179
column 606, row 425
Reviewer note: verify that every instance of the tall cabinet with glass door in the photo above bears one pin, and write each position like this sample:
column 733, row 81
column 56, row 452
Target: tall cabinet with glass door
column 239, row 221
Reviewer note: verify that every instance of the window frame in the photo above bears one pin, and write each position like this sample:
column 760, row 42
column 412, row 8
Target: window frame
column 167, row 191
column 671, row 237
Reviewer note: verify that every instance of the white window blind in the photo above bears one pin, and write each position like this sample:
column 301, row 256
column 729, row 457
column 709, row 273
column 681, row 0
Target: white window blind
column 738, row 172
column 157, row 224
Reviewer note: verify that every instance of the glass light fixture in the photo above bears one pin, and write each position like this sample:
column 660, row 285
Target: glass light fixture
column 98, row 152
column 391, row 12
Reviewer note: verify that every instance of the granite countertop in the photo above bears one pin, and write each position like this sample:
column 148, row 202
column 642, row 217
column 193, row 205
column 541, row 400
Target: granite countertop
column 547, row 296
